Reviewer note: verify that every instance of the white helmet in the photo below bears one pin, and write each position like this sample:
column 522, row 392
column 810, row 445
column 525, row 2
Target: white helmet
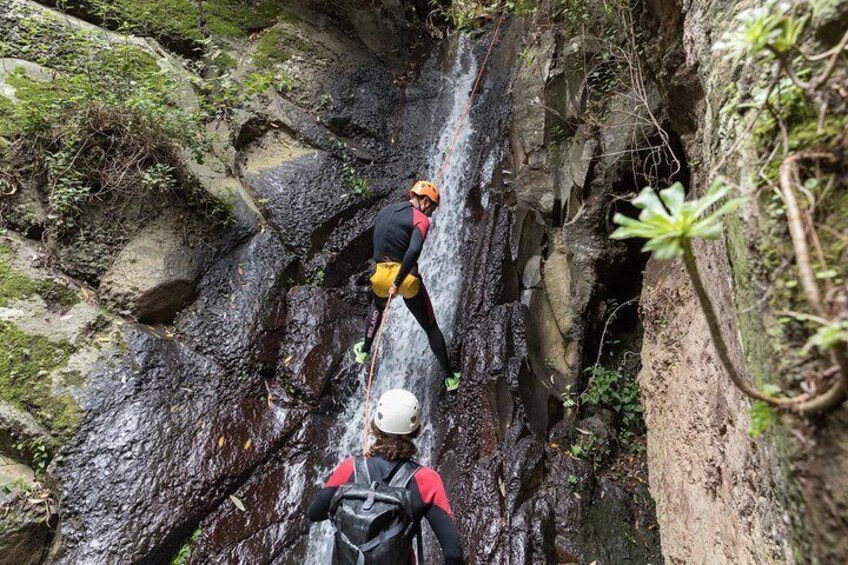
column 398, row 412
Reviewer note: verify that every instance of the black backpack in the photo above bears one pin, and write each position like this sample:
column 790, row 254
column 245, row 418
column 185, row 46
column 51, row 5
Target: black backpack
column 373, row 519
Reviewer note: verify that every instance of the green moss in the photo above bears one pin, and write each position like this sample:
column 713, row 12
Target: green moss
column 176, row 23
column 36, row 35
column 224, row 62
column 805, row 133
column 183, row 556
column 25, row 365
column 8, row 125
column 15, row 285
column 277, row 45
column 236, row 19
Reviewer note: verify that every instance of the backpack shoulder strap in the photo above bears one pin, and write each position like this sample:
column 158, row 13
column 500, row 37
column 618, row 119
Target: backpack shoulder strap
column 361, row 475
column 403, row 475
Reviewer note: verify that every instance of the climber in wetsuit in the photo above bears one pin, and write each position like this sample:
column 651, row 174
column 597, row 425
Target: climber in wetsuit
column 396, row 424
column 399, row 234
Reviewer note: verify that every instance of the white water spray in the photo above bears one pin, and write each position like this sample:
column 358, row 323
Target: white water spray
column 405, row 357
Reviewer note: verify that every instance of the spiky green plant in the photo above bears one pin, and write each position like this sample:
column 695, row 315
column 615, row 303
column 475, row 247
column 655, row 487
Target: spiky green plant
column 768, row 30
column 668, row 221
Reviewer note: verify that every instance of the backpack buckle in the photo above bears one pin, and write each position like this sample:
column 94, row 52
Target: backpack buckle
column 369, row 502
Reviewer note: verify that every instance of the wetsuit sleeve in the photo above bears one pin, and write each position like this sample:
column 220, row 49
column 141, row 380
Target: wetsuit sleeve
column 320, row 506
column 439, row 514
column 416, row 244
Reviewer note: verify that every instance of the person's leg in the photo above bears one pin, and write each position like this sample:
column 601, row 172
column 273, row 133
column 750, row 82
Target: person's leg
column 372, row 322
column 422, row 309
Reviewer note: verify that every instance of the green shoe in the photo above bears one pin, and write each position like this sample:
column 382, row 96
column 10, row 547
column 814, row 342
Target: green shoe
column 452, row 382
column 359, row 352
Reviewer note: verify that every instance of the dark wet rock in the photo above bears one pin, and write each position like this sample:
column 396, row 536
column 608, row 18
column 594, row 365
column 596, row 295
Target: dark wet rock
column 619, row 525
column 519, row 494
column 357, row 111
column 320, row 332
column 273, row 527
column 305, row 198
column 239, row 315
column 169, row 434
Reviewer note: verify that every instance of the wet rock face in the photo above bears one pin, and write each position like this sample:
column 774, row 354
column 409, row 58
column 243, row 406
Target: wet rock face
column 237, row 395
column 320, row 329
column 211, row 431
column 542, row 270
column 517, row 493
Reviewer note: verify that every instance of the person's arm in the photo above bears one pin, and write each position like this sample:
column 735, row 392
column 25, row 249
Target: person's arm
column 416, row 244
column 439, row 515
column 320, row 507
column 445, row 529
column 421, row 224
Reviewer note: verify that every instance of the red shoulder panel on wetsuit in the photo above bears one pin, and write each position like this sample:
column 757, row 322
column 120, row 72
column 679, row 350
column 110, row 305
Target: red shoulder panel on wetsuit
column 341, row 475
column 420, row 221
column 432, row 489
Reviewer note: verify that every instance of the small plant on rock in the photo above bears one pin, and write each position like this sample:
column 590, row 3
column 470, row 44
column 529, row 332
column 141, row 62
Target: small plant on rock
column 670, row 223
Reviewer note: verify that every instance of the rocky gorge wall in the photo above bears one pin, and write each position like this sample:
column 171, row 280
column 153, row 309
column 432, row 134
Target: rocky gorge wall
column 228, row 392
column 721, row 495
column 191, row 375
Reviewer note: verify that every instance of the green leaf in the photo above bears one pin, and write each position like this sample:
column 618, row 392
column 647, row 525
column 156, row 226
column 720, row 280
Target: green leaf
column 673, row 198
column 827, row 336
column 763, row 416
column 667, row 220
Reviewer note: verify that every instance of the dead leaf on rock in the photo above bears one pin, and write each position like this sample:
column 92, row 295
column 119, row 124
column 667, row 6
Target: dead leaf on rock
column 221, row 441
column 248, row 443
column 238, row 503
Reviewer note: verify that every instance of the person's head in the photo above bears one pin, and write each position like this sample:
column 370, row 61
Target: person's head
column 396, row 423
column 425, row 195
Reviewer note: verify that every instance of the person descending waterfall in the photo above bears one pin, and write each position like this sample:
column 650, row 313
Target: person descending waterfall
column 399, row 233
column 377, row 502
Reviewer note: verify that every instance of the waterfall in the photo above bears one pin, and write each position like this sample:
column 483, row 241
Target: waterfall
column 405, row 357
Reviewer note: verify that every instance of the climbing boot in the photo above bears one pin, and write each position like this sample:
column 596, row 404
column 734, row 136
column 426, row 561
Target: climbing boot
column 359, row 352
column 452, row 382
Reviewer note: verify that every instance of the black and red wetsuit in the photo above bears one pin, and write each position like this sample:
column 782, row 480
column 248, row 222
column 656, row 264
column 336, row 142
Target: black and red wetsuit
column 429, row 500
column 399, row 233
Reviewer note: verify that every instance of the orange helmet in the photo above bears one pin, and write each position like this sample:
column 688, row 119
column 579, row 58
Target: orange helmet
column 425, row 188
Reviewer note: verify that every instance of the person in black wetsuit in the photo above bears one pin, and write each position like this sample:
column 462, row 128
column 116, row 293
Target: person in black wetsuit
column 399, row 233
column 396, row 423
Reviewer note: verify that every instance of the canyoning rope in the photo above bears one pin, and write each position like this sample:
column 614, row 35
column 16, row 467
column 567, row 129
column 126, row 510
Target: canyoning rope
column 377, row 340
column 379, row 337
column 467, row 109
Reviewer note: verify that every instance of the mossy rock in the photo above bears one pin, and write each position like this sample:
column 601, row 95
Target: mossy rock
column 26, row 363
column 176, row 23
column 15, row 285
column 277, row 45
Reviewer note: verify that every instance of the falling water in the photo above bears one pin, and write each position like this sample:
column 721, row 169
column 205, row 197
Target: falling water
column 405, row 358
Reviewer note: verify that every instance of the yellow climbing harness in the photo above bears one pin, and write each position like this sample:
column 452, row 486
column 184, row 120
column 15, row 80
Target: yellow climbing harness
column 384, row 277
